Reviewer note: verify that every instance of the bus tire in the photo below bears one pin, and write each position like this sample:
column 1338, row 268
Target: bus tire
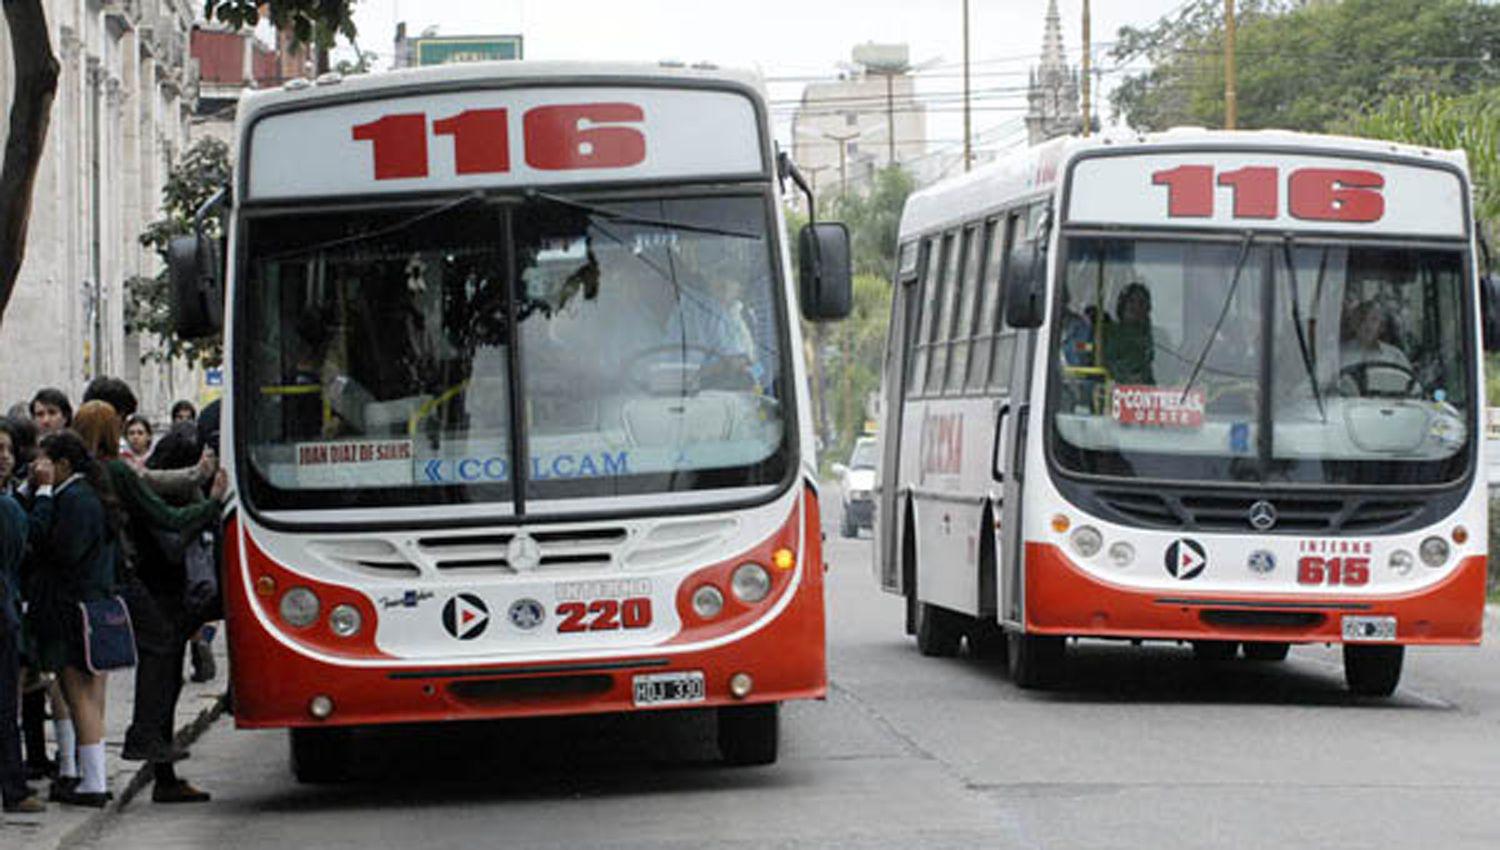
column 987, row 641
column 938, row 631
column 322, row 755
column 1373, row 671
column 1215, row 651
column 1034, row 661
column 749, row 734
column 1267, row 650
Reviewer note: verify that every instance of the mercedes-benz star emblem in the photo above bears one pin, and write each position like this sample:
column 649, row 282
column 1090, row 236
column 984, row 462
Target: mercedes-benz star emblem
column 524, row 554
column 1262, row 515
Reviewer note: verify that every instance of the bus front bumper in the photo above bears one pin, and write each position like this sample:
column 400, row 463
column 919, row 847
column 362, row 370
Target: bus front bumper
column 1062, row 599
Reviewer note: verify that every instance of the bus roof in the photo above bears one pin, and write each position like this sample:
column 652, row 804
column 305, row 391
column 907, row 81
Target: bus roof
column 402, row 81
column 1035, row 171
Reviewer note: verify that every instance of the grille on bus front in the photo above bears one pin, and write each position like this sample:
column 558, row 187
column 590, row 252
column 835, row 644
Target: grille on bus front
column 592, row 547
column 1232, row 513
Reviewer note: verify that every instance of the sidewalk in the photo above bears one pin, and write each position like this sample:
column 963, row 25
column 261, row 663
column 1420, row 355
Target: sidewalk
column 60, row 825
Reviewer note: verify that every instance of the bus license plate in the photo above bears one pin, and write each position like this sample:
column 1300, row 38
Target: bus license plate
column 669, row 688
column 1369, row 629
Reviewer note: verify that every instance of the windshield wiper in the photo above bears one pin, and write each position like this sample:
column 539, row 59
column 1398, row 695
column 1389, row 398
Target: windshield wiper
column 626, row 218
column 1213, row 335
column 1307, row 362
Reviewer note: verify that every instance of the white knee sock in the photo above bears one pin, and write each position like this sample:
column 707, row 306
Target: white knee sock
column 67, row 743
column 92, row 758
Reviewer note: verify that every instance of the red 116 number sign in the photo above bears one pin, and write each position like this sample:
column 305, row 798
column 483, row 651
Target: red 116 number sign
column 555, row 138
column 1312, row 194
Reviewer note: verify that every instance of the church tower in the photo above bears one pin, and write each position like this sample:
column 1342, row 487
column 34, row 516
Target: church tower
column 1052, row 95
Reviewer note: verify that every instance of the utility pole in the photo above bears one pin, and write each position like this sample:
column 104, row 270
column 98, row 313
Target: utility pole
column 1231, row 94
column 843, row 143
column 968, row 139
column 1087, row 58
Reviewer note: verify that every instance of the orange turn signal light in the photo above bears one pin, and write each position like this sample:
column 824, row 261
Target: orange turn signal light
column 1460, row 535
column 783, row 559
column 1060, row 523
column 265, row 586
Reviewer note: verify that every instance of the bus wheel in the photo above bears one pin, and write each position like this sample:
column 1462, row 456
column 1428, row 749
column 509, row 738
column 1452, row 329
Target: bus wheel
column 322, row 755
column 1266, row 650
column 1035, row 661
column 749, row 734
column 1215, row 651
column 1373, row 671
column 987, row 640
column 938, row 631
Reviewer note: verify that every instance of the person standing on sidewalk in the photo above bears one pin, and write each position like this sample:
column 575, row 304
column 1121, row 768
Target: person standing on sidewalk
column 16, row 795
column 75, row 526
column 155, row 598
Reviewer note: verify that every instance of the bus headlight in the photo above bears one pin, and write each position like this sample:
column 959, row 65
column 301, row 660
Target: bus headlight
column 708, row 602
column 1401, row 562
column 1434, row 551
column 750, row 583
column 1087, row 541
column 299, row 607
column 1121, row 554
column 344, row 620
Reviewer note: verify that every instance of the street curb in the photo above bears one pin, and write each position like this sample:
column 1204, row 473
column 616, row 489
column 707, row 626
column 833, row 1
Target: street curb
column 94, row 824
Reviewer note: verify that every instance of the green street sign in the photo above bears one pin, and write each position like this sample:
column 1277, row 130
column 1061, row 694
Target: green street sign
column 449, row 50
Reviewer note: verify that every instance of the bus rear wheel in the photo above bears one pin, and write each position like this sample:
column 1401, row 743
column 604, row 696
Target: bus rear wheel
column 1034, row 661
column 1373, row 671
column 1266, row 650
column 322, row 755
column 749, row 734
column 939, row 631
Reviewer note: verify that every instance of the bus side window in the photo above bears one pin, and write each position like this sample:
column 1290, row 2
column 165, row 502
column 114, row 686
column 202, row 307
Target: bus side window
column 1016, row 246
column 987, row 315
column 963, row 319
column 916, row 362
column 937, row 363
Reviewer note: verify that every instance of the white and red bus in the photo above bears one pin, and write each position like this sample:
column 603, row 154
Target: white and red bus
column 514, row 407
column 1206, row 387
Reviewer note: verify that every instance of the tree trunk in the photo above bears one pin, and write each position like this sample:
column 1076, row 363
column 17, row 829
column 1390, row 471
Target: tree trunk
column 30, row 115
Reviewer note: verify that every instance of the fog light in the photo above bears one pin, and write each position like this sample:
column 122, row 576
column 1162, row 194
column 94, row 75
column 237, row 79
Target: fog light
column 708, row 602
column 1087, row 540
column 1121, row 554
column 740, row 685
column 1401, row 562
column 750, row 583
column 344, row 620
column 320, row 707
column 1434, row 551
column 299, row 607
column 265, row 586
column 783, row 559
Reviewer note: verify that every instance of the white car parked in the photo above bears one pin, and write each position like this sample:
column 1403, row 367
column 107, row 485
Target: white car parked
column 857, row 487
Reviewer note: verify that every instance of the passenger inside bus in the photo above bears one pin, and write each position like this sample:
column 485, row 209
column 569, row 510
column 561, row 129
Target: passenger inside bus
column 1367, row 364
column 1129, row 341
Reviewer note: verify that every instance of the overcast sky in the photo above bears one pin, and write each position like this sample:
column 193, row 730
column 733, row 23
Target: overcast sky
column 789, row 41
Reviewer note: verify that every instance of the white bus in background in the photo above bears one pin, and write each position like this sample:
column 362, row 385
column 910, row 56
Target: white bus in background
column 1222, row 388
column 513, row 403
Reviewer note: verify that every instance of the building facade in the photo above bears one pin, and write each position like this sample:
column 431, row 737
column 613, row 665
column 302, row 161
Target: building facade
column 121, row 116
column 846, row 130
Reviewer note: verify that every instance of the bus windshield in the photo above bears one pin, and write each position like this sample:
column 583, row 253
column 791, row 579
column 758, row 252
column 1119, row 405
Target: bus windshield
column 384, row 354
column 1261, row 361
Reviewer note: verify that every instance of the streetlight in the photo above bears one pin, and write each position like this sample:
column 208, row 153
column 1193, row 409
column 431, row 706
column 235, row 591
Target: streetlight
column 842, row 140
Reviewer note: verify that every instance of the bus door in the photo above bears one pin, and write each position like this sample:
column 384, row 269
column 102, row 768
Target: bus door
column 1011, row 375
column 905, row 303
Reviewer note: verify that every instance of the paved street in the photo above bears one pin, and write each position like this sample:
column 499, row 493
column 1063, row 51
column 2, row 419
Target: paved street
column 1141, row 748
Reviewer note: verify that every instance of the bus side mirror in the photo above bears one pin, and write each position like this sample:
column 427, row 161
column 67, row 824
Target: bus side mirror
column 1489, row 302
column 824, row 278
column 197, row 286
column 1024, row 290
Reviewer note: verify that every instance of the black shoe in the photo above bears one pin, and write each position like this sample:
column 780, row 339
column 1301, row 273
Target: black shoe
column 42, row 769
column 60, row 788
column 180, row 791
column 204, row 668
column 157, row 751
column 31, row 804
column 91, row 799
